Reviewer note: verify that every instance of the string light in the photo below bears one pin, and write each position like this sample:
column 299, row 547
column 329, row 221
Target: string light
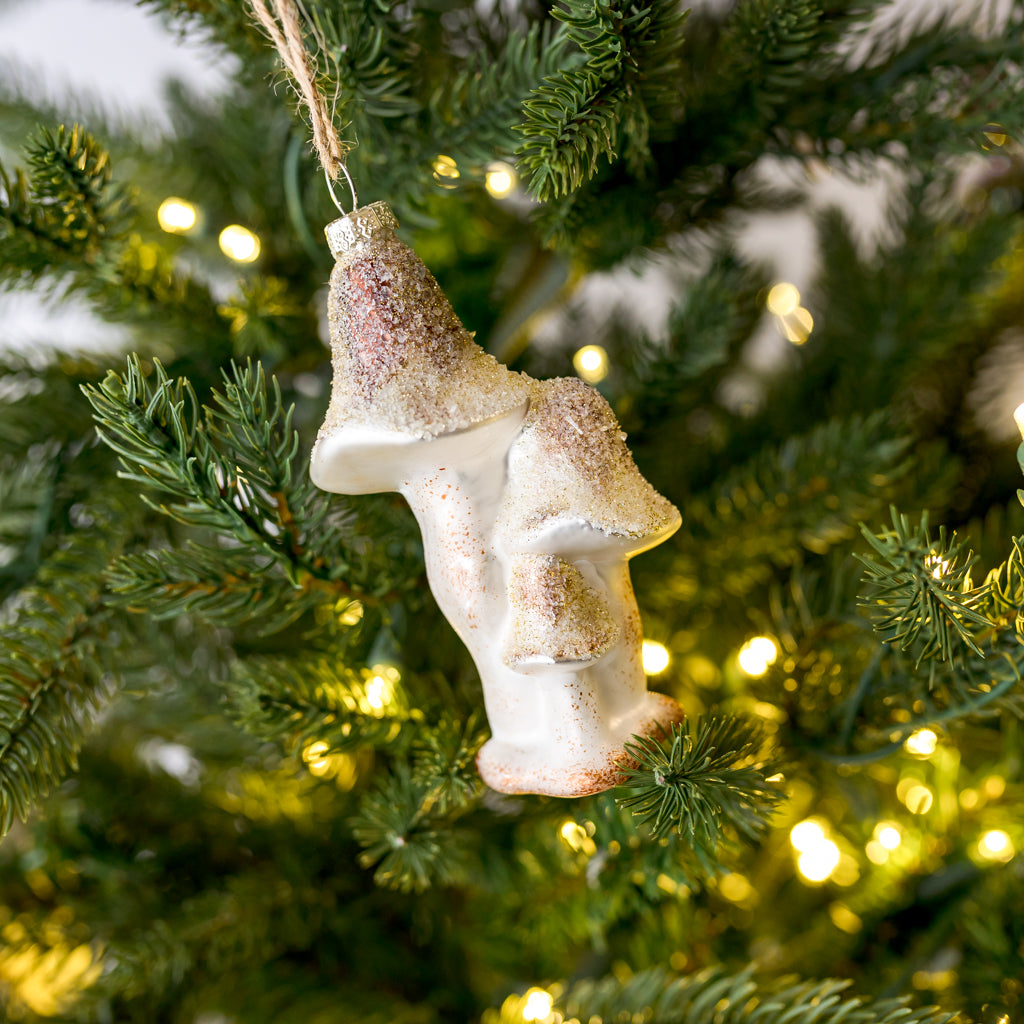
column 783, row 298
column 888, row 835
column 239, row 244
column 591, row 363
column 176, row 216
column 918, row 799
column 314, row 756
column 500, row 180
column 921, row 743
column 797, row 326
column 538, row 1004
column 655, row 657
column 805, row 835
column 996, row 845
column 757, row 655
column 818, row 863
column 380, row 688
column 446, row 171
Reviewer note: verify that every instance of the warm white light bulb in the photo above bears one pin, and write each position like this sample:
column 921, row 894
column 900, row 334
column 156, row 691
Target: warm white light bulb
column 655, row 657
column 500, row 180
column 806, row 835
column 446, row 171
column 757, row 655
column 783, row 298
column 818, row 863
column 176, row 216
column 996, row 845
column 922, row 743
column 591, row 363
column 889, row 837
column 538, row 1005
column 239, row 244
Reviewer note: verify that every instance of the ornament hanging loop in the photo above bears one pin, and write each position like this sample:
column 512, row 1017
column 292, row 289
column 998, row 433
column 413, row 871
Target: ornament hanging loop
column 351, row 188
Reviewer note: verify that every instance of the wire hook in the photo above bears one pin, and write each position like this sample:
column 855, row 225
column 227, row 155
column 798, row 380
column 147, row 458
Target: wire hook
column 351, row 188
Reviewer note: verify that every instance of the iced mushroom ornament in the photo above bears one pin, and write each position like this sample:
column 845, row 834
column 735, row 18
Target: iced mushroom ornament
column 529, row 503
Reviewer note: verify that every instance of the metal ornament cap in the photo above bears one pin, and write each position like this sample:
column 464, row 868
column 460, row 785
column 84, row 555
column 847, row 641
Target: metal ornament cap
column 356, row 229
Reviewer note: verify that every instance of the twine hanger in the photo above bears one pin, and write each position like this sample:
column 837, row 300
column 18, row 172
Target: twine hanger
column 284, row 27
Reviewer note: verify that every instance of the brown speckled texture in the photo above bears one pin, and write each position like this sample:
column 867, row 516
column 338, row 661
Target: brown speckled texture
column 402, row 360
column 580, row 467
column 555, row 614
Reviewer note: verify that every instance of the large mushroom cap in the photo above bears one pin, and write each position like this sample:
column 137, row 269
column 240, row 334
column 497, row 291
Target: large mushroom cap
column 402, row 360
column 573, row 486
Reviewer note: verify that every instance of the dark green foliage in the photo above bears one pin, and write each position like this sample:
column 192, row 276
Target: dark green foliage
column 700, row 780
column 626, row 91
column 735, row 999
column 400, row 827
column 228, row 469
column 920, row 592
column 312, row 700
column 65, row 211
column 788, row 502
column 53, row 668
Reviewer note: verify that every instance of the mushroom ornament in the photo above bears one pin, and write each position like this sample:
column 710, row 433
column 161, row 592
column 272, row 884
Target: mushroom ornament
column 529, row 503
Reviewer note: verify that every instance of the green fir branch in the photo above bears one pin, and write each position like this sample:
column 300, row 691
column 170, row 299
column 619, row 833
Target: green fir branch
column 53, row 676
column 315, row 699
column 229, row 469
column 627, row 90
column 920, row 592
column 65, row 210
column 444, row 759
column 474, row 110
column 804, row 496
column 403, row 833
column 660, row 997
column 699, row 780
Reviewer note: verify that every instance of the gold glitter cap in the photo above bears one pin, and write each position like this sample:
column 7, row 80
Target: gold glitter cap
column 359, row 227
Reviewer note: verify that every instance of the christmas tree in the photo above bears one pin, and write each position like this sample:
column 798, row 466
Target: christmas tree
column 237, row 735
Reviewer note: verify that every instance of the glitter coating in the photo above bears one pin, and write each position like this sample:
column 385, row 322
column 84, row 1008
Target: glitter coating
column 401, row 357
column 530, row 506
column 556, row 616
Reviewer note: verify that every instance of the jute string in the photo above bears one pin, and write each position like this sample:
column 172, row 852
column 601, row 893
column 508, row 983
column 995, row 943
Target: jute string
column 284, row 27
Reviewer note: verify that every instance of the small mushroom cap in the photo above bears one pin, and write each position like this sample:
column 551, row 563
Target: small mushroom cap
column 573, row 486
column 557, row 619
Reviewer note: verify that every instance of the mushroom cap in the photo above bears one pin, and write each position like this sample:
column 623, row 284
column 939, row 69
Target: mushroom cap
column 402, row 360
column 557, row 619
column 573, row 487
column 356, row 459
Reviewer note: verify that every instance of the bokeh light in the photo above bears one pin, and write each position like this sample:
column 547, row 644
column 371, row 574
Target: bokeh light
column 500, row 180
column 757, row 655
column 655, row 657
column 591, row 363
column 239, row 244
column 176, row 216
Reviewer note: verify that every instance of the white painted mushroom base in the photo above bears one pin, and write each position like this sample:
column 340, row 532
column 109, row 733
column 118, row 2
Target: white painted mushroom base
column 558, row 726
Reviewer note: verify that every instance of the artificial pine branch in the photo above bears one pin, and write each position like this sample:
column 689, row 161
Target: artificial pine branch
column 663, row 998
column 228, row 469
column 699, row 780
column 919, row 594
column 53, row 672
column 404, row 832
column 626, row 89
column 803, row 496
column 66, row 211
column 313, row 699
